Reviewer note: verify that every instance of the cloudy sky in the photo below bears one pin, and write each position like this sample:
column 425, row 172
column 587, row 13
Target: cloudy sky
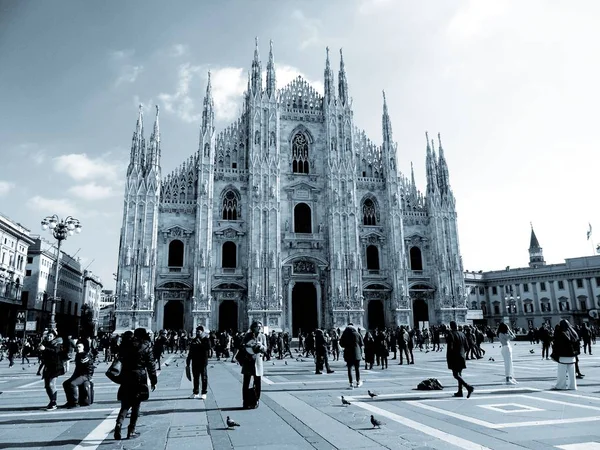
column 512, row 86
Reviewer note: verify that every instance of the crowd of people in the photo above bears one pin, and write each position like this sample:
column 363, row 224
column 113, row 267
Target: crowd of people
column 139, row 354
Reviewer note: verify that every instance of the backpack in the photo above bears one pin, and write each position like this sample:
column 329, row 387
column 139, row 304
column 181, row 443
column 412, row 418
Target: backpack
column 430, row 384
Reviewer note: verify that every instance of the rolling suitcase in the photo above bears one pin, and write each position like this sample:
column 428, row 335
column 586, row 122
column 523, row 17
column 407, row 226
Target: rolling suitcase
column 86, row 393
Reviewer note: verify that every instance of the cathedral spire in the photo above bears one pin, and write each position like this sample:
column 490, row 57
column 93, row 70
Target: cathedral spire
column 536, row 255
column 444, row 177
column 137, row 143
column 329, row 93
column 271, row 81
column 386, row 124
column 413, row 184
column 432, row 176
column 342, row 82
column 153, row 159
column 256, row 70
column 208, row 111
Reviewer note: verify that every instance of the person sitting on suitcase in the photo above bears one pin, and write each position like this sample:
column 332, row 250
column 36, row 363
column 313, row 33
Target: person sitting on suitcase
column 84, row 370
column 255, row 345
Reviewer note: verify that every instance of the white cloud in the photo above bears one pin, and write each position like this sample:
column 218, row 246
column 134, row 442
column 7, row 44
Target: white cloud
column 5, row 187
column 60, row 206
column 181, row 103
column 371, row 6
column 286, row 74
column 33, row 151
column 92, row 191
column 477, row 18
column 178, row 50
column 128, row 74
column 228, row 85
column 120, row 55
column 80, row 167
column 309, row 27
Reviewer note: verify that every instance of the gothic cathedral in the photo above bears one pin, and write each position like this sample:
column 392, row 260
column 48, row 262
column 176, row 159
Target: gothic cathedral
column 291, row 216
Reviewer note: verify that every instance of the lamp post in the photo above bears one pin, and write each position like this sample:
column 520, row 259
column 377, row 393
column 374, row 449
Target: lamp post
column 60, row 230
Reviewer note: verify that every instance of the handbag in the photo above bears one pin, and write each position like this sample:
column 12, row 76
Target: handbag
column 143, row 393
column 114, row 371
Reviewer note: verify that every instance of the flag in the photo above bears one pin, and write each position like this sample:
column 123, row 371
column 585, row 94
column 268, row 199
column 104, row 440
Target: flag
column 589, row 232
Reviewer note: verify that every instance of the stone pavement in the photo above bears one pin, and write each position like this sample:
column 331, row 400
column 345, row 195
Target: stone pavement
column 301, row 410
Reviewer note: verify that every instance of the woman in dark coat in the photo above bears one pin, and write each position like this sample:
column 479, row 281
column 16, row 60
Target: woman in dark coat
column 369, row 342
column 456, row 346
column 138, row 364
column 382, row 349
column 564, row 352
column 352, row 343
column 53, row 358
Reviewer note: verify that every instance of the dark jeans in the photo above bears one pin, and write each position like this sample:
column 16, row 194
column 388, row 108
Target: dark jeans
column 71, row 387
column 50, row 386
column 246, row 385
column 545, row 349
column 356, row 365
column 586, row 345
column 199, row 371
column 458, row 376
column 403, row 351
column 135, row 412
column 322, row 360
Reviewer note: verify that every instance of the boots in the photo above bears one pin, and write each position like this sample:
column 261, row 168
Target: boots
column 118, row 432
column 131, row 433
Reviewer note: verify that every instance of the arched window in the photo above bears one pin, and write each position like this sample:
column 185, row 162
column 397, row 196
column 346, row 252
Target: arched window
column 484, row 308
column 369, row 212
column 416, row 262
column 230, row 206
column 176, row 253
column 206, row 149
column 300, row 154
column 229, row 257
column 372, row 258
column 302, row 218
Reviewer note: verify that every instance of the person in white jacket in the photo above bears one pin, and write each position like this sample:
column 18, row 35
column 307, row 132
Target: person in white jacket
column 254, row 346
column 505, row 335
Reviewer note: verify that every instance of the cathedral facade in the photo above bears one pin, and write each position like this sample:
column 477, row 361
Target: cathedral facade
column 291, row 216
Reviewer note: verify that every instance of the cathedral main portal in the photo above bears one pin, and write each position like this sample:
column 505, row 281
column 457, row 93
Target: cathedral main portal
column 305, row 313
column 420, row 313
column 228, row 316
column 173, row 315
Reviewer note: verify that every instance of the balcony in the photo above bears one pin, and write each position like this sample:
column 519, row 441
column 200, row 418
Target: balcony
column 229, row 272
column 418, row 275
column 372, row 274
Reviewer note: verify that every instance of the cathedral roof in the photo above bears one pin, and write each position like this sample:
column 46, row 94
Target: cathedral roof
column 300, row 96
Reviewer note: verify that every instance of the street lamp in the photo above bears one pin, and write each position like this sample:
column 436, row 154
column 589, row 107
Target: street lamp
column 60, row 230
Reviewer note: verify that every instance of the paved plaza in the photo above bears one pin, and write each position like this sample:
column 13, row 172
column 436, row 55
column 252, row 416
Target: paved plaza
column 301, row 410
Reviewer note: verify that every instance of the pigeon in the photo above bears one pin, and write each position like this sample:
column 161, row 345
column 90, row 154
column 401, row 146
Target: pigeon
column 375, row 422
column 231, row 423
column 345, row 402
column 301, row 360
column 298, row 359
column 532, row 351
column 285, row 363
column 371, row 394
column 212, row 366
column 273, row 363
column 167, row 364
column 491, row 359
column 23, row 368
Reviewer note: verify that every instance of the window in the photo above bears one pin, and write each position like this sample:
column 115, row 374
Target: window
column 542, row 286
column 28, row 273
column 598, row 281
column 230, row 206
column 299, row 154
column 416, row 261
column 372, row 258
column 472, row 290
column 75, row 311
column 561, row 284
column 229, row 257
column 579, row 282
column 494, row 290
column 30, row 260
column 302, row 218
column 564, row 306
column 484, row 308
column 525, row 287
column 496, row 308
column 528, row 307
column 369, row 212
column 583, row 303
column 176, row 253
column 481, row 290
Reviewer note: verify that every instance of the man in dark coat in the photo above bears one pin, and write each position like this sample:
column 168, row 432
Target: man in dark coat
column 53, row 358
column 138, row 365
column 84, row 370
column 198, row 356
column 456, row 347
column 321, row 352
column 352, row 343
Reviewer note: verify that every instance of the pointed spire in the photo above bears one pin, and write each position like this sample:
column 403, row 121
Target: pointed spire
column 137, row 143
column 386, row 124
column 329, row 93
column 342, row 82
column 271, row 81
column 536, row 254
column 533, row 241
column 413, row 184
column 208, row 110
column 256, row 70
column 153, row 157
column 444, row 178
column 431, row 166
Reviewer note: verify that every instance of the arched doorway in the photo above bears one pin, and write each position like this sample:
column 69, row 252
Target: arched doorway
column 420, row 312
column 304, row 308
column 173, row 315
column 228, row 316
column 375, row 315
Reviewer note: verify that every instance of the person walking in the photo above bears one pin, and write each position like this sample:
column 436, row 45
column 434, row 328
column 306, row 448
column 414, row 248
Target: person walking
column 402, row 340
column 586, row 337
column 83, row 372
column 369, row 347
column 137, row 365
column 54, row 359
column 545, row 335
column 565, row 350
column 505, row 335
column 321, row 352
column 456, row 347
column 352, row 343
column 255, row 345
column 198, row 357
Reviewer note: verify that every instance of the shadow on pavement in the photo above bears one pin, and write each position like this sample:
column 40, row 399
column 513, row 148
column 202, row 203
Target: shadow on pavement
column 66, row 442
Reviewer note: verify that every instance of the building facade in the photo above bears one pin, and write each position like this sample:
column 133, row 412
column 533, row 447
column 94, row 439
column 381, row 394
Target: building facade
column 39, row 284
column 290, row 215
column 92, row 292
column 541, row 293
column 14, row 244
column 106, row 317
